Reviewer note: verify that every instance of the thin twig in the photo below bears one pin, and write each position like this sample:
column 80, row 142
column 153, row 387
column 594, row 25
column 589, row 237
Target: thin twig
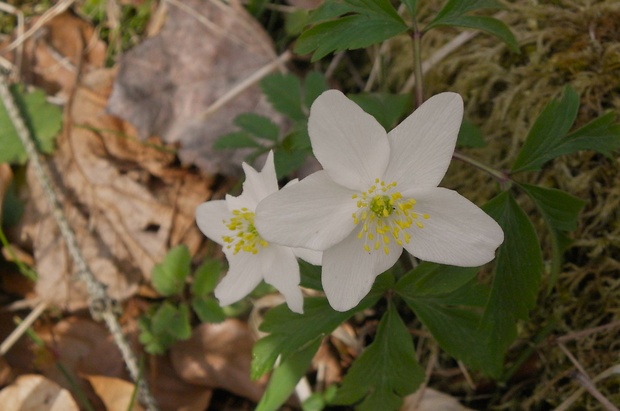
column 584, row 333
column 22, row 328
column 102, row 307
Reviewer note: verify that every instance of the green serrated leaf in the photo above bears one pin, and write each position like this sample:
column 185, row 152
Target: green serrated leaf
column 518, row 268
column 453, row 14
column 310, row 275
column 347, row 33
column 470, row 136
column 208, row 309
column 386, row 371
column 260, row 126
column 290, row 332
column 315, row 83
column 288, row 161
column 169, row 276
column 601, row 135
column 429, row 279
column 560, row 211
column 284, row 93
column 381, row 8
column 206, row 277
column 449, row 303
column 44, row 121
column 286, row 376
column 386, row 108
column 548, row 131
column 412, row 7
column 238, row 139
column 456, row 8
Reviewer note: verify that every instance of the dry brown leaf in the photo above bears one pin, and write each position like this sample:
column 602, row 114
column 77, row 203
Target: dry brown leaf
column 82, row 346
column 218, row 356
column 35, row 392
column 432, row 400
column 173, row 393
column 166, row 83
column 57, row 53
column 124, row 199
column 115, row 393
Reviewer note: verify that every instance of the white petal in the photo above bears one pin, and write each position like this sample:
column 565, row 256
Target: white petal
column 210, row 218
column 315, row 213
column 281, row 270
column 348, row 142
column 421, row 147
column 457, row 232
column 349, row 271
column 310, row 256
column 243, row 276
column 257, row 185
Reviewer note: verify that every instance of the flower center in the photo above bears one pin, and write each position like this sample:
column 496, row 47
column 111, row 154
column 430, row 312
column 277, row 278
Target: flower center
column 384, row 215
column 245, row 237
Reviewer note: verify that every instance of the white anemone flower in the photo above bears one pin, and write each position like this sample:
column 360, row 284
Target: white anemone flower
column 377, row 194
column 230, row 223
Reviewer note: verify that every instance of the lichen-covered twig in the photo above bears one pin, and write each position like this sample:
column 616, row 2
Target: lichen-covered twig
column 102, row 307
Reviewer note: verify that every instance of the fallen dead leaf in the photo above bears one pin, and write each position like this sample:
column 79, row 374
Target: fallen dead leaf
column 166, row 83
column 218, row 356
column 432, row 400
column 115, row 393
column 126, row 201
column 35, row 392
column 172, row 392
column 57, row 53
column 81, row 347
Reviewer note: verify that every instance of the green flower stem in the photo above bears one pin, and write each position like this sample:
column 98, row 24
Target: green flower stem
column 416, row 37
column 501, row 176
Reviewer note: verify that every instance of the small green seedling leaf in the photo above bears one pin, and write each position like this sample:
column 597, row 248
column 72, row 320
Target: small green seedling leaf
column 206, row 277
column 167, row 325
column 260, row 126
column 237, row 139
column 283, row 91
column 169, row 276
column 208, row 309
column 44, row 121
column 386, row 371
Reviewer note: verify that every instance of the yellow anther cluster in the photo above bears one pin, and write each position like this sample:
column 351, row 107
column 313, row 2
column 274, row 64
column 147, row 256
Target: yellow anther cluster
column 245, row 237
column 384, row 215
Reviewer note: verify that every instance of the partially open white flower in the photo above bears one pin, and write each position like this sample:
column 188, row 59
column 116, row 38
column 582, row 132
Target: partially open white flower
column 377, row 194
column 230, row 223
